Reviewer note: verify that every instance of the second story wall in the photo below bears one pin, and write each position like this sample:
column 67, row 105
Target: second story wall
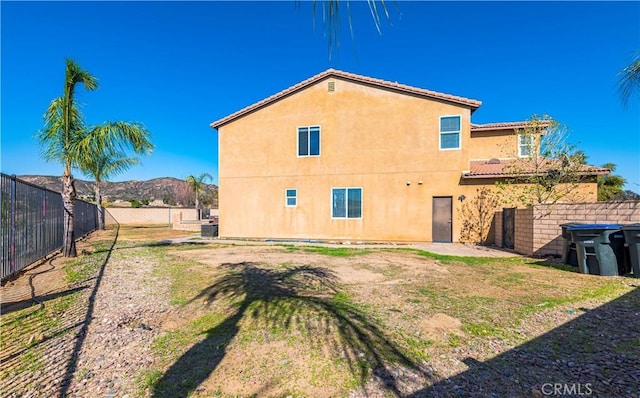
column 363, row 130
column 499, row 144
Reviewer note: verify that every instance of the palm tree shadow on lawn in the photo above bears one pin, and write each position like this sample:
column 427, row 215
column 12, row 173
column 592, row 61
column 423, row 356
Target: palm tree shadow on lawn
column 304, row 297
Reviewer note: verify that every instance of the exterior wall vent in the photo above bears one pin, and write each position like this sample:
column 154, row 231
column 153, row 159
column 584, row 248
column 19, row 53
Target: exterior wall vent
column 331, row 87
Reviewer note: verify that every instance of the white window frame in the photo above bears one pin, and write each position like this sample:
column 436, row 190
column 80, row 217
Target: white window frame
column 346, row 208
column 520, row 145
column 287, row 197
column 459, row 132
column 309, row 141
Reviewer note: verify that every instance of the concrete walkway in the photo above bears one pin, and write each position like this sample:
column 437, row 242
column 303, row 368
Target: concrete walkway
column 452, row 249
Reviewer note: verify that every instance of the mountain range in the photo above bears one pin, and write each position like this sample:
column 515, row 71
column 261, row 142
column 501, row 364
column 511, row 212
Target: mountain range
column 169, row 190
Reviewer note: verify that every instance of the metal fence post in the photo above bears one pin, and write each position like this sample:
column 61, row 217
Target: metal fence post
column 43, row 223
column 12, row 226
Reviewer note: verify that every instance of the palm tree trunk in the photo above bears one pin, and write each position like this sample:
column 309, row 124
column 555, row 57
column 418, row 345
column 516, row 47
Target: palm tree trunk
column 197, row 205
column 99, row 206
column 68, row 195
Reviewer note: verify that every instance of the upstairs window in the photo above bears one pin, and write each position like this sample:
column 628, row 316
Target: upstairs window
column 291, row 196
column 525, row 143
column 449, row 132
column 346, row 203
column 309, row 141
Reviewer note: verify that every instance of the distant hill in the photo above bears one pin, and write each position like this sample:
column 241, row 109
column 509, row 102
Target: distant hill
column 171, row 191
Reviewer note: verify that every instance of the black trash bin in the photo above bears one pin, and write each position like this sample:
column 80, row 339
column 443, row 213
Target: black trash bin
column 209, row 230
column 595, row 252
column 622, row 253
column 569, row 255
column 632, row 239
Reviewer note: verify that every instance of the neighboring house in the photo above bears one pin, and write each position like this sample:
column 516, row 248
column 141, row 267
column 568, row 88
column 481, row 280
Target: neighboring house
column 498, row 152
column 341, row 156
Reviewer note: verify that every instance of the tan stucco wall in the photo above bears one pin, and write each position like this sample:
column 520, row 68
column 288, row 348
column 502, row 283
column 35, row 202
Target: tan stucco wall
column 585, row 191
column 388, row 132
column 499, row 144
column 394, row 140
column 392, row 210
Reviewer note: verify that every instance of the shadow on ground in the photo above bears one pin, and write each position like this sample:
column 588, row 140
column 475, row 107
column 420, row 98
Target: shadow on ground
column 6, row 308
column 303, row 297
column 80, row 337
column 596, row 354
column 41, row 343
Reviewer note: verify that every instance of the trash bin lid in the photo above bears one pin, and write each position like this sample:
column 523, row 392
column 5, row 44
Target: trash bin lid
column 596, row 226
column 568, row 224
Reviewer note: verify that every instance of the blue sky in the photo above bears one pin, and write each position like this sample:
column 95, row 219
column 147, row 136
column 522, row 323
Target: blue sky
column 177, row 66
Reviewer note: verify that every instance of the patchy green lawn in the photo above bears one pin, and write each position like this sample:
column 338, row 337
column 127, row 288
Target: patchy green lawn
column 288, row 320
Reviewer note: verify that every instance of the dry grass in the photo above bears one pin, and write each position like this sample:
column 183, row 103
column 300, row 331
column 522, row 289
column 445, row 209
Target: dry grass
column 283, row 320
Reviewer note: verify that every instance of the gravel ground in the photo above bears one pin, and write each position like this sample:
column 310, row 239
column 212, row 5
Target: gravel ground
column 103, row 341
column 594, row 352
column 101, row 344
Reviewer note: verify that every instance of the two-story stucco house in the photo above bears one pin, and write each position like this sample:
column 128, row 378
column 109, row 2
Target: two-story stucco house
column 341, row 156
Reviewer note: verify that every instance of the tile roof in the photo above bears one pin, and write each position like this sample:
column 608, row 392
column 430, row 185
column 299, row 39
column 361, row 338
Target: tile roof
column 498, row 168
column 471, row 103
column 504, row 126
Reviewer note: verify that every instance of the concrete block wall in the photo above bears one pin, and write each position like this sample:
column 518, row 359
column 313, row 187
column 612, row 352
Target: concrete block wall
column 498, row 229
column 162, row 215
column 538, row 231
column 524, row 231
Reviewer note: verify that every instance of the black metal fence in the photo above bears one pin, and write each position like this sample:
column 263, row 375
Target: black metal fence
column 32, row 223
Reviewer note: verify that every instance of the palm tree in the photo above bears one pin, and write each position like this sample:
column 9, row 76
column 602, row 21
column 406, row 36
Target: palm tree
column 102, row 166
column 196, row 184
column 67, row 140
column 63, row 128
column 610, row 185
column 630, row 80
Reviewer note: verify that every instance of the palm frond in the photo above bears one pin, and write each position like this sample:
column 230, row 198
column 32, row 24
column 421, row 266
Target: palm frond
column 375, row 15
column 116, row 137
column 57, row 136
column 119, row 166
column 75, row 74
column 629, row 83
column 104, row 165
column 331, row 18
column 196, row 182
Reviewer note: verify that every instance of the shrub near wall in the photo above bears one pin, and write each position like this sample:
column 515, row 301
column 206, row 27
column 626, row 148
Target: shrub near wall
column 538, row 231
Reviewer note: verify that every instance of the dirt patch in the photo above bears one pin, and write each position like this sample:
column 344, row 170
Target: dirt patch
column 41, row 281
column 375, row 323
column 440, row 325
column 275, row 369
column 37, row 282
column 360, row 269
column 151, row 232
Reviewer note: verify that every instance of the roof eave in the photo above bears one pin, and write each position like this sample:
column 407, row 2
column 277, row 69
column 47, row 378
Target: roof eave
column 494, row 176
column 466, row 102
column 504, row 126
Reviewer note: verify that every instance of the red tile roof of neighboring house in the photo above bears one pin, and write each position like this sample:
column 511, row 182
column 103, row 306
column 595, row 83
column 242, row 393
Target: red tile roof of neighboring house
column 500, row 168
column 471, row 103
column 504, row 125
